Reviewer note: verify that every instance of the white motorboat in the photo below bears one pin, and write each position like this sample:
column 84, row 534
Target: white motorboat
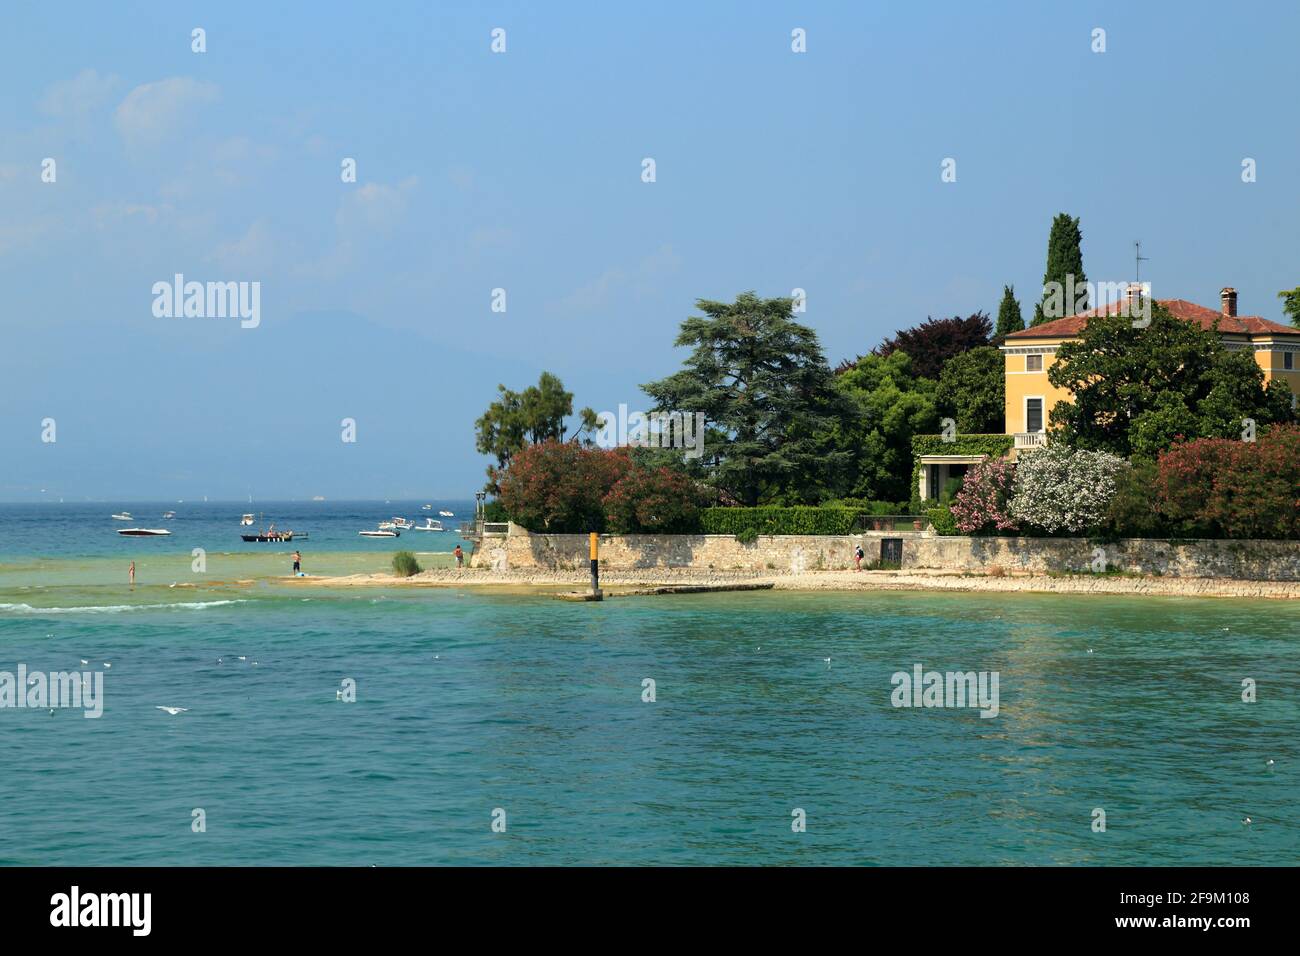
column 447, row 514
column 396, row 524
column 169, row 514
column 381, row 533
column 426, row 507
column 246, row 521
column 143, row 532
column 123, row 516
column 430, row 524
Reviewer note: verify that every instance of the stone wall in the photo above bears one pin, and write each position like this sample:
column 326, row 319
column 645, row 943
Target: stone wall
column 793, row 554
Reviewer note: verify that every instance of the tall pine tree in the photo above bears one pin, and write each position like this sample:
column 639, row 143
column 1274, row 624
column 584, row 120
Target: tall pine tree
column 1064, row 259
column 1009, row 317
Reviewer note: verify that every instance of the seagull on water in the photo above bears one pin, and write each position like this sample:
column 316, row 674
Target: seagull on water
column 828, row 662
column 84, row 661
column 1247, row 822
column 107, row 664
column 1270, row 762
column 172, row 710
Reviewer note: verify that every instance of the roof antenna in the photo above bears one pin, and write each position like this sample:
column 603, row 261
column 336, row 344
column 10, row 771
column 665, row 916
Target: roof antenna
column 1138, row 259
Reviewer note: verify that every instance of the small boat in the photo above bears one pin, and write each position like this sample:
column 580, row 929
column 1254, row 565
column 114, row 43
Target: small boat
column 426, row 507
column 143, row 532
column 272, row 536
column 123, row 516
column 396, row 524
column 430, row 524
column 169, row 514
column 447, row 514
column 381, row 533
column 246, row 521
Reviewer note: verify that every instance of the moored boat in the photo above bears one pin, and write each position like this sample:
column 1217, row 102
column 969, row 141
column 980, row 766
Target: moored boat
column 430, row 524
column 143, row 532
column 381, row 533
column 123, row 516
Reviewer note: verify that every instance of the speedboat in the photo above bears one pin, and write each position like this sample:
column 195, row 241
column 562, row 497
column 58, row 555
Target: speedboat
column 381, row 533
column 447, row 514
column 396, row 524
column 246, row 521
column 426, row 507
column 123, row 516
column 430, row 524
column 169, row 514
column 143, row 532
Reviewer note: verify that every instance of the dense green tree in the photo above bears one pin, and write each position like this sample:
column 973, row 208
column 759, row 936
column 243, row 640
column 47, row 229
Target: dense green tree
column 1009, row 317
column 1137, row 389
column 888, row 404
column 1064, row 259
column 972, row 391
column 1291, row 304
column 935, row 341
column 518, row 419
column 763, row 384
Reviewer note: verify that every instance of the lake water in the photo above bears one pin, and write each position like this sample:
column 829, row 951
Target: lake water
column 470, row 701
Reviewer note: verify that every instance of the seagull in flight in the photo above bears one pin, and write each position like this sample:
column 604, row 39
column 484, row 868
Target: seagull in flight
column 172, row 710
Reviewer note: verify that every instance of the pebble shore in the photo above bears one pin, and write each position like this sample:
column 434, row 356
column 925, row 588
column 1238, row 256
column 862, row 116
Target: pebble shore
column 918, row 580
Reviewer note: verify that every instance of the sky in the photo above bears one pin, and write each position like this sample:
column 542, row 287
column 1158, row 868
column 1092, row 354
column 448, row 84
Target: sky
column 522, row 170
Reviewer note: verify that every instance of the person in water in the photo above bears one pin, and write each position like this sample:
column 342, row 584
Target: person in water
column 130, row 573
column 297, row 562
column 460, row 557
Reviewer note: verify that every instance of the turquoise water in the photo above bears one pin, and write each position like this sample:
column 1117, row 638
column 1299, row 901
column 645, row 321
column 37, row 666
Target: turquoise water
column 470, row 701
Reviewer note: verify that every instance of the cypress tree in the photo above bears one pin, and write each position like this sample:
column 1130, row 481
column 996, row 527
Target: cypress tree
column 1064, row 259
column 1009, row 317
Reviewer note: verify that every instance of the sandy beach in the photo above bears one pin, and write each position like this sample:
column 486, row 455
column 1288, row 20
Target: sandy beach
column 616, row 582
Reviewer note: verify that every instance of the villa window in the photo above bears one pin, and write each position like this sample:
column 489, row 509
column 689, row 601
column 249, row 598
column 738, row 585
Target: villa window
column 1033, row 414
column 1033, row 363
column 1288, row 360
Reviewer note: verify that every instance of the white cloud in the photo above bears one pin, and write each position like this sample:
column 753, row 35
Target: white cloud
column 640, row 281
column 254, row 249
column 79, row 96
column 153, row 111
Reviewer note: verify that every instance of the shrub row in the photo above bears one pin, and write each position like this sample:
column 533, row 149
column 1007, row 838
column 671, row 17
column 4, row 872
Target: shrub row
column 773, row 520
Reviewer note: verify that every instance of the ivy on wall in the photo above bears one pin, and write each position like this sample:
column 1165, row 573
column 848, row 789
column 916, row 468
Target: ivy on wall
column 995, row 446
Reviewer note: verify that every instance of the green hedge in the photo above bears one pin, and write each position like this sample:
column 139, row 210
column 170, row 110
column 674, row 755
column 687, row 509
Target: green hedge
column 773, row 520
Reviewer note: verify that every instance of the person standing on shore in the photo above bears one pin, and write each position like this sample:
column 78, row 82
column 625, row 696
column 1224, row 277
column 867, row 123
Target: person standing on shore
column 858, row 555
column 460, row 557
column 130, row 573
column 297, row 562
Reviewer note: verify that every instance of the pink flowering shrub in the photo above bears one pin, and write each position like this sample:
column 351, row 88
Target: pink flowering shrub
column 982, row 503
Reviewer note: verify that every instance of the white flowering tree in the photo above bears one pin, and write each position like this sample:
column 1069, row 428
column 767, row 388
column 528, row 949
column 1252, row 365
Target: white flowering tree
column 1064, row 489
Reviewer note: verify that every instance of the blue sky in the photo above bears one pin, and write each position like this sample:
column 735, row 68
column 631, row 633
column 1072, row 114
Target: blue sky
column 522, row 171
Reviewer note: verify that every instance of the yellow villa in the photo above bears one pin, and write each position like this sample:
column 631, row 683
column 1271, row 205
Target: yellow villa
column 1030, row 397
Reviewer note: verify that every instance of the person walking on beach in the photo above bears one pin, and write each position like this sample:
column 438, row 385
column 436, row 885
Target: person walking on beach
column 130, row 573
column 858, row 555
column 297, row 562
column 460, row 557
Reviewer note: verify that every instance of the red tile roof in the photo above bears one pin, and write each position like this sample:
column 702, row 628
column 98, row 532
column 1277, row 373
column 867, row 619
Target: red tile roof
column 1180, row 308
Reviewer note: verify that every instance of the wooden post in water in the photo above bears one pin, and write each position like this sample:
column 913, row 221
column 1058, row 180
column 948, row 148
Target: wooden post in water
column 595, row 567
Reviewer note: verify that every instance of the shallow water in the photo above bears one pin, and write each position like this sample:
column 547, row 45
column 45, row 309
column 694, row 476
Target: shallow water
column 469, row 701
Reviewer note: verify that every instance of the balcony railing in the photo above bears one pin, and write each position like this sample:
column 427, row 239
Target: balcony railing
column 891, row 522
column 1031, row 439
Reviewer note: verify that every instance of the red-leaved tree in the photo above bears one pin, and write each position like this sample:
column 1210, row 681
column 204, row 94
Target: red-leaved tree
column 1222, row 487
column 654, row 501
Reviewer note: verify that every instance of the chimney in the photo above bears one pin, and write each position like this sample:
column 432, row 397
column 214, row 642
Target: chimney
column 1133, row 294
column 1229, row 298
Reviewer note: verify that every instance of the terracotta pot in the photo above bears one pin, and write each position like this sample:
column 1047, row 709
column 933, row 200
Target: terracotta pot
column 917, row 525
